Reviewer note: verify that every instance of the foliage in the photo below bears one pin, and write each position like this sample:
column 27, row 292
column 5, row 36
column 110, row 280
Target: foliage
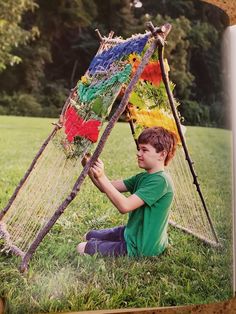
column 116, row 15
column 205, row 52
column 150, row 96
column 219, row 114
column 19, row 104
column 53, row 97
column 64, row 26
column 194, row 113
column 60, row 280
column 67, row 44
column 12, row 33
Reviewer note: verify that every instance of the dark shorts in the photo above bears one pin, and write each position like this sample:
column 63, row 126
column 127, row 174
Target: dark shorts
column 106, row 242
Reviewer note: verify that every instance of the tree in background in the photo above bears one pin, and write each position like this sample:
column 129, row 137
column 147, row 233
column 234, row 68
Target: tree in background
column 47, row 63
column 194, row 53
column 116, row 15
column 12, row 34
column 54, row 62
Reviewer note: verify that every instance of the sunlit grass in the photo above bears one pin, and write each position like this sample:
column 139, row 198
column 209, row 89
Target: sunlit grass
column 60, row 280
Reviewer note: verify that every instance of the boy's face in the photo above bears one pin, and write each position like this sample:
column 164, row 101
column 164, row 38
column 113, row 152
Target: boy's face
column 148, row 158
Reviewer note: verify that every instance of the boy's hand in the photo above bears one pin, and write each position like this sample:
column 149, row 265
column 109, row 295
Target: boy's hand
column 85, row 159
column 98, row 169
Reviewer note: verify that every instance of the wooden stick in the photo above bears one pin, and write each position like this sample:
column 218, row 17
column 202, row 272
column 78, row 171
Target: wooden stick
column 99, row 34
column 131, row 124
column 7, row 237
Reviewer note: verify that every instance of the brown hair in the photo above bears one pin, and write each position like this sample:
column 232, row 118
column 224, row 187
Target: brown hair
column 161, row 139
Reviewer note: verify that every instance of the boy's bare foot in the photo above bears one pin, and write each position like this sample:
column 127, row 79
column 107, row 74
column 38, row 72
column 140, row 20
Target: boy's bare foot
column 81, row 248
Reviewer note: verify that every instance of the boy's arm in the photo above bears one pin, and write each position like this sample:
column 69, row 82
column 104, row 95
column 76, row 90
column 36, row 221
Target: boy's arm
column 119, row 185
column 95, row 181
column 122, row 203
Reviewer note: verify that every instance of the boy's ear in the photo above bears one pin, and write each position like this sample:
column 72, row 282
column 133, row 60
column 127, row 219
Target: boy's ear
column 163, row 154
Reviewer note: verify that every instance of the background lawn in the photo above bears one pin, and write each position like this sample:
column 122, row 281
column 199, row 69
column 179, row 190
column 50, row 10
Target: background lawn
column 60, row 280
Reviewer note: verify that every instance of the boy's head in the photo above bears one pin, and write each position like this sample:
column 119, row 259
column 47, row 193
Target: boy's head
column 161, row 139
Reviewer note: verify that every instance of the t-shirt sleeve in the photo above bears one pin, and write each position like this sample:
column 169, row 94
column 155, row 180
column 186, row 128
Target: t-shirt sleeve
column 130, row 183
column 152, row 189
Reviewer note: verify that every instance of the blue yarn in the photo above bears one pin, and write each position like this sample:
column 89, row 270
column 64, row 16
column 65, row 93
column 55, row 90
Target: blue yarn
column 103, row 61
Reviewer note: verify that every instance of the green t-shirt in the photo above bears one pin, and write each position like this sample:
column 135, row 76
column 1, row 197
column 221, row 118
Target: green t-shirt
column 146, row 230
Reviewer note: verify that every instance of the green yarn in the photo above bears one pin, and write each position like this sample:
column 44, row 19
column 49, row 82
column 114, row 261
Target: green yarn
column 88, row 93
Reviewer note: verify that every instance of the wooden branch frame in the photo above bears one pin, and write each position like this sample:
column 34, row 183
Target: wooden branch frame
column 43, row 232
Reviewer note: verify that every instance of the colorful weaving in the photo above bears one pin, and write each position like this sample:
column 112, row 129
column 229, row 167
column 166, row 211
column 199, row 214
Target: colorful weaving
column 95, row 94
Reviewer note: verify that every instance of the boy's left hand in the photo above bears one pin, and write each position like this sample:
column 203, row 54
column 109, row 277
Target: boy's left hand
column 85, row 159
column 98, row 169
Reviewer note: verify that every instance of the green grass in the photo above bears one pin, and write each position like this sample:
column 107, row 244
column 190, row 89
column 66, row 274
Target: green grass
column 60, row 280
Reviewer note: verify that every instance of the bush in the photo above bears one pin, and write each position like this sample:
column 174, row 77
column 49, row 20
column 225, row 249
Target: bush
column 20, row 104
column 3, row 110
column 53, row 98
column 194, row 113
column 220, row 114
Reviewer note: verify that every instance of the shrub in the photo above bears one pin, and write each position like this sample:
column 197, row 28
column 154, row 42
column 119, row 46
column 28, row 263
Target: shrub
column 220, row 114
column 53, row 97
column 20, row 104
column 194, row 113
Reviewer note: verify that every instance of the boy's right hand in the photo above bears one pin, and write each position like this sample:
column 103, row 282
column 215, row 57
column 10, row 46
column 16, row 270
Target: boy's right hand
column 98, row 169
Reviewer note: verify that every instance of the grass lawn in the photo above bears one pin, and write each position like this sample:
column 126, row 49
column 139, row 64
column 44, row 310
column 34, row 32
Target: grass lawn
column 60, row 280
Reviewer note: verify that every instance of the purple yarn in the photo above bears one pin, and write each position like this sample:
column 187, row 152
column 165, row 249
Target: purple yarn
column 103, row 61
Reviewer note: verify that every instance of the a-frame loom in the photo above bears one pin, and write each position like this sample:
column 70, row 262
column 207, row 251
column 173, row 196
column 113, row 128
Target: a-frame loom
column 119, row 70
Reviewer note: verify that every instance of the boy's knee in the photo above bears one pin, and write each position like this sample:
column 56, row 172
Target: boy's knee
column 81, row 247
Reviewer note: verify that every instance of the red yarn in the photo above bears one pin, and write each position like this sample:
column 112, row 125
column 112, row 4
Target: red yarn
column 76, row 126
column 151, row 72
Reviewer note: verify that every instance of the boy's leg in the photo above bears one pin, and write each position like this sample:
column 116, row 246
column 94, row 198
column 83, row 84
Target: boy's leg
column 104, row 248
column 111, row 234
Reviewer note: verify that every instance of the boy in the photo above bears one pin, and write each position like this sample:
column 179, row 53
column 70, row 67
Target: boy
column 148, row 205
